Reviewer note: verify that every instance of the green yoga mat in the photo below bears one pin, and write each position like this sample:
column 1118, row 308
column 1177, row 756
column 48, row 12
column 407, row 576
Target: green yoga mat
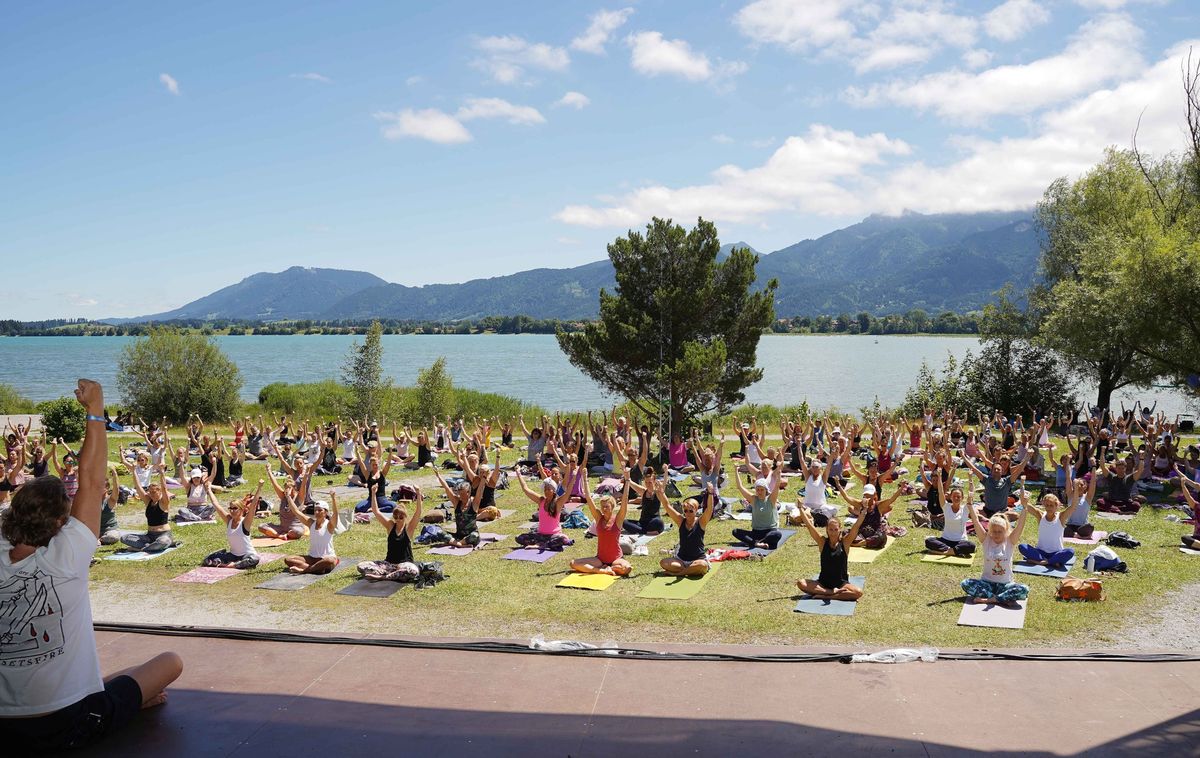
column 677, row 587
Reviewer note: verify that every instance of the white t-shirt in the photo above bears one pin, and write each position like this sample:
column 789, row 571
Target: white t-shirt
column 48, row 654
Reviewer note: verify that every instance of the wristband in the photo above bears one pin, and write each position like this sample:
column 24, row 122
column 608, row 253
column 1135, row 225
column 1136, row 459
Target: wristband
column 101, row 419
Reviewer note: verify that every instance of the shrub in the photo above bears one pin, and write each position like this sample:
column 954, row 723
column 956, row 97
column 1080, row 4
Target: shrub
column 64, row 418
column 324, row 400
column 362, row 372
column 435, row 392
column 12, row 401
column 172, row 375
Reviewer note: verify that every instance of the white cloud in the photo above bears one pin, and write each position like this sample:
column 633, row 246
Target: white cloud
column 1012, row 19
column 600, row 30
column 506, row 58
column 796, row 26
column 722, row 139
column 1013, row 172
column 414, row 80
column 313, row 76
column 1103, row 50
column 892, row 56
column 815, row 173
column 494, row 107
column 576, row 100
column 446, row 129
column 1112, row 5
column 652, row 55
column 81, row 301
column 976, row 58
column 428, row 124
column 170, row 83
column 827, row 171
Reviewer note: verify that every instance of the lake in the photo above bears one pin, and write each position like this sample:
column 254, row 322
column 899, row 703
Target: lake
column 836, row 370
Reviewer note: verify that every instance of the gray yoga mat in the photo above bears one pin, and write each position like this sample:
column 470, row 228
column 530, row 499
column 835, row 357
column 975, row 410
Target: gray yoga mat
column 367, row 588
column 826, row 607
column 286, row 581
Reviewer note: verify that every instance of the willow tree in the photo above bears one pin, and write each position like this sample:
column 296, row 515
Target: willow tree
column 678, row 336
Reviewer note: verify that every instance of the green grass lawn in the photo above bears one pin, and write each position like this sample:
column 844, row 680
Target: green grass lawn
column 906, row 601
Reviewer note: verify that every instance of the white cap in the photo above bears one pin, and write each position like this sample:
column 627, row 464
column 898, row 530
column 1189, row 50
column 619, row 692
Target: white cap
column 196, row 474
column 868, row 490
column 549, row 482
column 321, row 505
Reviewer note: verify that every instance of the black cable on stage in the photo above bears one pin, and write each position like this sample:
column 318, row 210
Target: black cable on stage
column 244, row 635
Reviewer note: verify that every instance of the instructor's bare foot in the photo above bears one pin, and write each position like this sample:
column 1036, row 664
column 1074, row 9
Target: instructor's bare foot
column 157, row 700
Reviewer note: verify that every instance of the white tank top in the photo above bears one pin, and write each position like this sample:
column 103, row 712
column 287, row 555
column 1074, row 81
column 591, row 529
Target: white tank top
column 196, row 494
column 814, row 493
column 239, row 541
column 753, row 456
column 320, row 541
column 956, row 523
column 348, row 449
column 1050, row 535
column 997, row 561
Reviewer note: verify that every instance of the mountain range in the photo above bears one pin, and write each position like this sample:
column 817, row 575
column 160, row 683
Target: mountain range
column 883, row 264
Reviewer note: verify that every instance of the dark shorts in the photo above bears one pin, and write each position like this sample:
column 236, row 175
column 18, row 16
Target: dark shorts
column 77, row 725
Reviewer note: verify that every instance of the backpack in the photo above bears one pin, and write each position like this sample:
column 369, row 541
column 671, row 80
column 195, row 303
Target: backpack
column 1080, row 589
column 1104, row 559
column 429, row 574
column 1122, row 539
column 576, row 519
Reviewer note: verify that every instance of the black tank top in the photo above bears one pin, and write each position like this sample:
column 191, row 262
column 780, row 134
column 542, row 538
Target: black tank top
column 155, row 516
column 488, row 498
column 649, row 509
column 423, row 456
column 399, row 546
column 834, row 566
column 380, row 483
column 235, row 469
column 464, row 521
column 691, row 541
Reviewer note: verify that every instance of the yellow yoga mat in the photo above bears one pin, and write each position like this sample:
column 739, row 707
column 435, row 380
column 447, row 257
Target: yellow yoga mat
column 951, row 560
column 598, row 582
column 864, row 555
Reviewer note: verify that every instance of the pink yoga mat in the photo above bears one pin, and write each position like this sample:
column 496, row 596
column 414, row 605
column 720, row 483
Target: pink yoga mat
column 1095, row 540
column 205, row 575
column 531, row 554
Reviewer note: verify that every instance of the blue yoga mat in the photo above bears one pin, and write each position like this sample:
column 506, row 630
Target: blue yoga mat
column 826, row 607
column 1020, row 567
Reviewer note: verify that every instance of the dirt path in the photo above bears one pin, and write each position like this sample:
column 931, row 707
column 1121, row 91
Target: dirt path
column 1170, row 625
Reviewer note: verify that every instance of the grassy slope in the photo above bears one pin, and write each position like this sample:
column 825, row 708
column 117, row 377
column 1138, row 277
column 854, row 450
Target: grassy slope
column 747, row 601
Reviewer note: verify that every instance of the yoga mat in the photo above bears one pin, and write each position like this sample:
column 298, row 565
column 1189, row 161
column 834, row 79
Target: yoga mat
column 677, row 587
column 367, row 588
column 1097, row 536
column 764, row 552
column 826, row 607
column 949, row 560
column 138, row 556
column 1021, row 567
column 206, row 575
column 190, row 523
column 485, row 539
column 995, row 616
column 268, row 542
column 598, row 582
column 286, row 581
column 865, row 555
column 743, row 516
column 1114, row 516
column 1189, row 551
column 532, row 554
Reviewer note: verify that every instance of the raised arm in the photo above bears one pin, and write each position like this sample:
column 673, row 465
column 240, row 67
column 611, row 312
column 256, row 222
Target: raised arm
column 93, row 463
column 817, row 537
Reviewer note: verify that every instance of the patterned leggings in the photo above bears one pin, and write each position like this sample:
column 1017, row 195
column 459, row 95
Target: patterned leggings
column 240, row 562
column 544, row 541
column 379, row 571
column 1004, row 592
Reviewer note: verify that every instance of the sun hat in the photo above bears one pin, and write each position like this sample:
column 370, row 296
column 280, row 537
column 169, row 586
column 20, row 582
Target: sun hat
column 763, row 483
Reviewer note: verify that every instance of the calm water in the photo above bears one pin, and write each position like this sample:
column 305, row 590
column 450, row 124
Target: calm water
column 843, row 371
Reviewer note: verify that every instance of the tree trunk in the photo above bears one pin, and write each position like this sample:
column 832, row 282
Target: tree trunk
column 1104, row 392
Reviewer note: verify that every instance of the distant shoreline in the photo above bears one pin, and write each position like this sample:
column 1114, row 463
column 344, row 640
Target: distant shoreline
column 225, row 333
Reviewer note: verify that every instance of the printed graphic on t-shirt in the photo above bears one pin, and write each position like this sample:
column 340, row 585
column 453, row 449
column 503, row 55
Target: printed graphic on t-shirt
column 31, row 629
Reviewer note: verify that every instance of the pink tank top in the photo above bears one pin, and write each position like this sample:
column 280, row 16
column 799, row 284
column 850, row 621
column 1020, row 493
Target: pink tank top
column 547, row 523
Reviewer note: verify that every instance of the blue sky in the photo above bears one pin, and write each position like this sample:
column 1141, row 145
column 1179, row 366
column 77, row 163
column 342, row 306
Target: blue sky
column 155, row 152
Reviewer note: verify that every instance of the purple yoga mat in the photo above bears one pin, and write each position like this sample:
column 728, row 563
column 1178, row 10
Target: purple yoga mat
column 447, row 550
column 531, row 554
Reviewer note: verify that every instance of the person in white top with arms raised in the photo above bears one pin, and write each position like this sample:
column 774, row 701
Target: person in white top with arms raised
column 52, row 695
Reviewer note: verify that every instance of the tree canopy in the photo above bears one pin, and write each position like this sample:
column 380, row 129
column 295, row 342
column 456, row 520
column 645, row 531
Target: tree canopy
column 679, row 335
column 172, row 375
column 362, row 373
